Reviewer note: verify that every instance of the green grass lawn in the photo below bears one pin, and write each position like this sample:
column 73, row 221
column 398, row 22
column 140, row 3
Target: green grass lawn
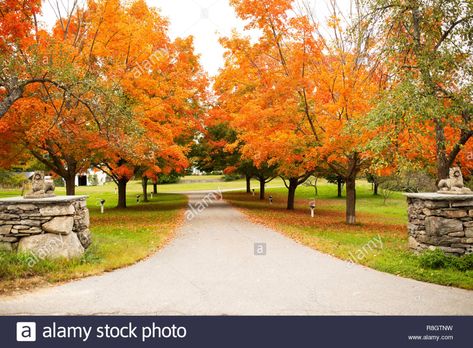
column 197, row 178
column 201, row 186
column 328, row 232
column 120, row 238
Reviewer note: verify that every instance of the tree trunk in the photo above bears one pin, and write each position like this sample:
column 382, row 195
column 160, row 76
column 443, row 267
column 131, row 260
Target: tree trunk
column 351, row 199
column 262, row 186
column 144, row 184
column 375, row 188
column 442, row 169
column 14, row 92
column 442, row 161
column 339, row 187
column 70, row 185
column 155, row 188
column 248, row 183
column 291, row 194
column 122, row 193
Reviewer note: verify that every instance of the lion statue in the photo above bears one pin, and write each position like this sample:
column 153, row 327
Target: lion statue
column 454, row 184
column 40, row 187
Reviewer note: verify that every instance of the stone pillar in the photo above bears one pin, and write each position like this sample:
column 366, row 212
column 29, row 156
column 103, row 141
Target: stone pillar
column 46, row 227
column 443, row 221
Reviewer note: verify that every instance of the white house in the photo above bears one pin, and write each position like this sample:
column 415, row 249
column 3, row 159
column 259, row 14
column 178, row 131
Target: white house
column 91, row 178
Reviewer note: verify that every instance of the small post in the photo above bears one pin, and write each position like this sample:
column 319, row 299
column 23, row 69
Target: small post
column 102, row 205
column 270, row 199
column 253, row 191
column 312, row 208
column 151, row 194
column 138, row 198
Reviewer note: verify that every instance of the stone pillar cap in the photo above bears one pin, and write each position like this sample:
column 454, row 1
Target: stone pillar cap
column 55, row 199
column 433, row 196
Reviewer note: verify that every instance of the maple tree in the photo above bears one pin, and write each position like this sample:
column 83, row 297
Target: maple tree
column 51, row 119
column 208, row 153
column 427, row 46
column 17, row 31
column 165, row 85
column 64, row 146
column 350, row 81
column 213, row 151
column 297, row 97
column 26, row 52
column 346, row 93
column 264, row 91
column 131, row 100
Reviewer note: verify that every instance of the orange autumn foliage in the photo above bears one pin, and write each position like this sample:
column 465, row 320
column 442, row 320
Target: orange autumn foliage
column 132, row 98
column 297, row 99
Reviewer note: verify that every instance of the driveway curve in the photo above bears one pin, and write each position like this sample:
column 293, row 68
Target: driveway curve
column 210, row 268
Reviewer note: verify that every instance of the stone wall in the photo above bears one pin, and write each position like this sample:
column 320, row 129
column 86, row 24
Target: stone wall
column 441, row 221
column 47, row 227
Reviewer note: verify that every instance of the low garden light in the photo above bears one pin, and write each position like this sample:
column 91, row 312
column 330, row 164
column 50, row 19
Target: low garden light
column 102, row 205
column 138, row 198
column 270, row 199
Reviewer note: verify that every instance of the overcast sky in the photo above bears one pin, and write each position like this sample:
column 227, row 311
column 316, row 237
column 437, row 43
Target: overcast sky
column 206, row 20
